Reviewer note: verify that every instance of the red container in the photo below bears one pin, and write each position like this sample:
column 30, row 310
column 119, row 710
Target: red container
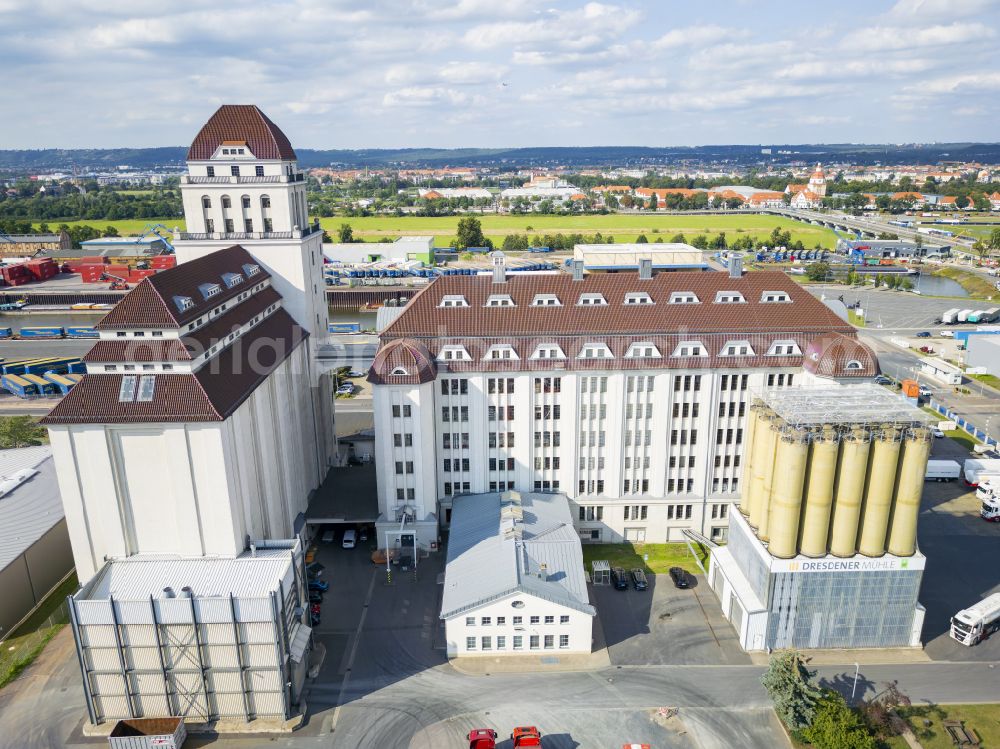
column 100, row 259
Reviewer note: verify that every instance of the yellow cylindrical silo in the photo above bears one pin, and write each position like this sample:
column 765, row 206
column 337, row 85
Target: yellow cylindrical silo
column 786, row 493
column 879, row 491
column 817, row 496
column 763, row 456
column 848, row 492
column 764, row 476
column 906, row 506
column 753, row 419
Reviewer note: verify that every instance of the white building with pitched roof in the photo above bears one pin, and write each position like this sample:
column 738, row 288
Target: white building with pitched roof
column 514, row 583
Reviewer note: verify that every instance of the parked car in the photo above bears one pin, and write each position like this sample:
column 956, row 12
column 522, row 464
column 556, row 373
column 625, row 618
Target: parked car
column 315, row 569
column 356, row 373
column 639, row 579
column 925, row 391
column 680, row 577
column 363, row 534
column 926, row 350
column 937, row 433
column 923, row 334
column 405, row 562
column 882, row 380
column 315, row 596
column 328, row 536
column 619, row 579
column 947, row 334
column 350, row 538
column 346, row 389
column 319, row 585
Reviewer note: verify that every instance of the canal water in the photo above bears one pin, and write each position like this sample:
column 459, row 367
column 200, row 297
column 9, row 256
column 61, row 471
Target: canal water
column 937, row 286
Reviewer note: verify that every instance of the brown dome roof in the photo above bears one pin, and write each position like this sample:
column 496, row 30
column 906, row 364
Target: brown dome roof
column 837, row 355
column 403, row 361
column 241, row 123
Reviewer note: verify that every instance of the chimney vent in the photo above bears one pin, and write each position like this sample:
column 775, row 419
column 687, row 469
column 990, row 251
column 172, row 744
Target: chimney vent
column 499, row 267
column 735, row 266
column 186, row 592
column 168, row 592
column 577, row 270
column 645, row 268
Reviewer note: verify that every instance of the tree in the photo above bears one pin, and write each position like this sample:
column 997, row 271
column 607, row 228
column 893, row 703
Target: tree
column 652, row 202
column 20, row 431
column 470, row 234
column 678, row 239
column 994, row 241
column 641, row 239
column 836, row 726
column 345, row 234
column 818, row 271
column 701, row 242
column 981, row 249
column 787, row 681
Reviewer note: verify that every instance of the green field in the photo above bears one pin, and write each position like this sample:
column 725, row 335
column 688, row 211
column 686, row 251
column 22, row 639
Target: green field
column 623, row 227
column 661, row 556
column 981, row 720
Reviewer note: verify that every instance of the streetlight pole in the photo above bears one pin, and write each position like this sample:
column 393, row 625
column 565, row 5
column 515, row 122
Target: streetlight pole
column 854, row 689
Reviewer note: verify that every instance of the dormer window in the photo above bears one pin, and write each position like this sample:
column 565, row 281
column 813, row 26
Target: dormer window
column 208, row 290
column 642, row 351
column 500, row 300
column 548, row 351
column 592, row 300
column 638, row 297
column 737, row 348
column 454, row 353
column 784, row 348
column 690, row 348
column 399, row 372
column 853, row 364
column 453, row 300
column 251, row 270
column 595, row 351
column 232, row 279
column 183, row 303
column 729, row 297
column 775, row 296
column 546, row 300
column 683, row 297
column 503, row 351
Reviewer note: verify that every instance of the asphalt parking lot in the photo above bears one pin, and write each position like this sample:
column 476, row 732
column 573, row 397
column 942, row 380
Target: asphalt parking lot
column 897, row 310
column 963, row 557
column 666, row 625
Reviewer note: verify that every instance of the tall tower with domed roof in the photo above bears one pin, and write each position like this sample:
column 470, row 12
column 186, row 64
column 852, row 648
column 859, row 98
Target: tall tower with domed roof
column 817, row 182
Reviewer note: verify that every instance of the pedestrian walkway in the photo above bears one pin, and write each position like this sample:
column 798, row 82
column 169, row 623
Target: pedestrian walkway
column 481, row 665
column 861, row 656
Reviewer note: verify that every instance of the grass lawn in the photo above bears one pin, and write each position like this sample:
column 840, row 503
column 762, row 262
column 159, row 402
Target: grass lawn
column 977, row 286
column 625, row 227
column 661, row 556
column 855, row 319
column 992, row 380
column 18, row 651
column 982, row 720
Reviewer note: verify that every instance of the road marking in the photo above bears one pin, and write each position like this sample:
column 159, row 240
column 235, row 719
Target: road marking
column 354, row 651
column 705, row 614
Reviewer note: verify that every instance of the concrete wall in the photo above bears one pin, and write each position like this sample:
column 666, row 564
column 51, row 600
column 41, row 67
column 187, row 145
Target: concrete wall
column 579, row 628
column 984, row 351
column 26, row 580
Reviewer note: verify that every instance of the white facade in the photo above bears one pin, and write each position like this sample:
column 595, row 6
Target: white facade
column 642, row 455
column 197, row 489
column 519, row 624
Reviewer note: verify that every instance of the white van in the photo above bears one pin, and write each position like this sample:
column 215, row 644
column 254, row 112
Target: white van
column 350, row 537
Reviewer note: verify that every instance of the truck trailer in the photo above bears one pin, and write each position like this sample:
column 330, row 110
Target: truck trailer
column 948, row 318
column 979, row 469
column 942, row 470
column 976, row 623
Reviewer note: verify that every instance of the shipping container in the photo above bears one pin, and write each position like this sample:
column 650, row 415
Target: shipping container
column 81, row 331
column 65, row 383
column 911, row 388
column 6, row 332
column 44, row 386
column 147, row 733
column 78, row 367
column 18, row 386
column 41, row 332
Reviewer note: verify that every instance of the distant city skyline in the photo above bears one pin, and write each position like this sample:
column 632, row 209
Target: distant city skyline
column 477, row 73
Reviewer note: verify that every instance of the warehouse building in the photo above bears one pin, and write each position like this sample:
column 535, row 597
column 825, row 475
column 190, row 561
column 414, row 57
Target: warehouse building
column 514, row 582
column 27, row 245
column 984, row 353
column 627, row 392
column 823, row 551
column 613, row 258
column 34, row 546
column 206, row 638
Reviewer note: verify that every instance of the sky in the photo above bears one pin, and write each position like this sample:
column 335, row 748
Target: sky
column 502, row 73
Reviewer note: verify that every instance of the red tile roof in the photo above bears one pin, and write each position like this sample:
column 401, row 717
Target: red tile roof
column 151, row 304
column 241, row 122
column 138, row 350
column 211, row 394
column 422, row 317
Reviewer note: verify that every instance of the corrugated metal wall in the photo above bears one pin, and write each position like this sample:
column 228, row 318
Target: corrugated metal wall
column 202, row 671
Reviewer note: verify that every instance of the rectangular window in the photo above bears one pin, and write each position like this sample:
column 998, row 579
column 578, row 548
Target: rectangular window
column 563, row 641
column 564, row 619
column 470, row 643
column 485, row 621
column 234, row 170
column 550, row 620
column 549, row 641
column 470, row 621
column 501, row 642
column 533, row 642
column 518, row 642
column 487, row 643
column 534, row 620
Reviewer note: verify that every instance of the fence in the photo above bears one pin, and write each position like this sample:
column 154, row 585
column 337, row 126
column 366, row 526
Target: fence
column 22, row 647
column 963, row 424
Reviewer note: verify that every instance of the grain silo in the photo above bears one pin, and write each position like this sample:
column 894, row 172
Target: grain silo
column 834, row 480
column 817, row 496
column 753, row 419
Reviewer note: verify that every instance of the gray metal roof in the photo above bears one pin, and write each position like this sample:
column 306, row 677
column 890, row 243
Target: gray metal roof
column 852, row 404
column 141, row 576
column 514, row 543
column 30, row 510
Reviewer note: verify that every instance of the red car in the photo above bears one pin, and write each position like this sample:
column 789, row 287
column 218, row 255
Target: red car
column 526, row 736
column 482, row 738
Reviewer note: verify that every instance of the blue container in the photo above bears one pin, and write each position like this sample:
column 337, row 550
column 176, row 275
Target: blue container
column 18, row 386
column 41, row 332
column 343, row 327
column 78, row 367
column 81, row 331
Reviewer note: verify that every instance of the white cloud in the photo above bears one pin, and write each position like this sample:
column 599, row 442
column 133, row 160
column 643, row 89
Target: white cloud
column 695, row 36
column 581, row 28
column 924, row 11
column 883, row 38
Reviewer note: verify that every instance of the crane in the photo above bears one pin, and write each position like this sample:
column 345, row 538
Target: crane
column 154, row 229
column 117, row 282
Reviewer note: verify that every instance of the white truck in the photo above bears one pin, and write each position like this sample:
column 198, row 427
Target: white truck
column 988, row 493
column 948, row 318
column 980, row 469
column 964, row 315
column 976, row 623
column 942, row 470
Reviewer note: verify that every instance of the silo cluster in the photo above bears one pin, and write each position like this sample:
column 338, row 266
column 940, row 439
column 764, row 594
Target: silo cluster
column 840, row 489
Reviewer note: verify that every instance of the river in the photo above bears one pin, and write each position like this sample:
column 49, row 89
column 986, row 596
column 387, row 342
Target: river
column 925, row 283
